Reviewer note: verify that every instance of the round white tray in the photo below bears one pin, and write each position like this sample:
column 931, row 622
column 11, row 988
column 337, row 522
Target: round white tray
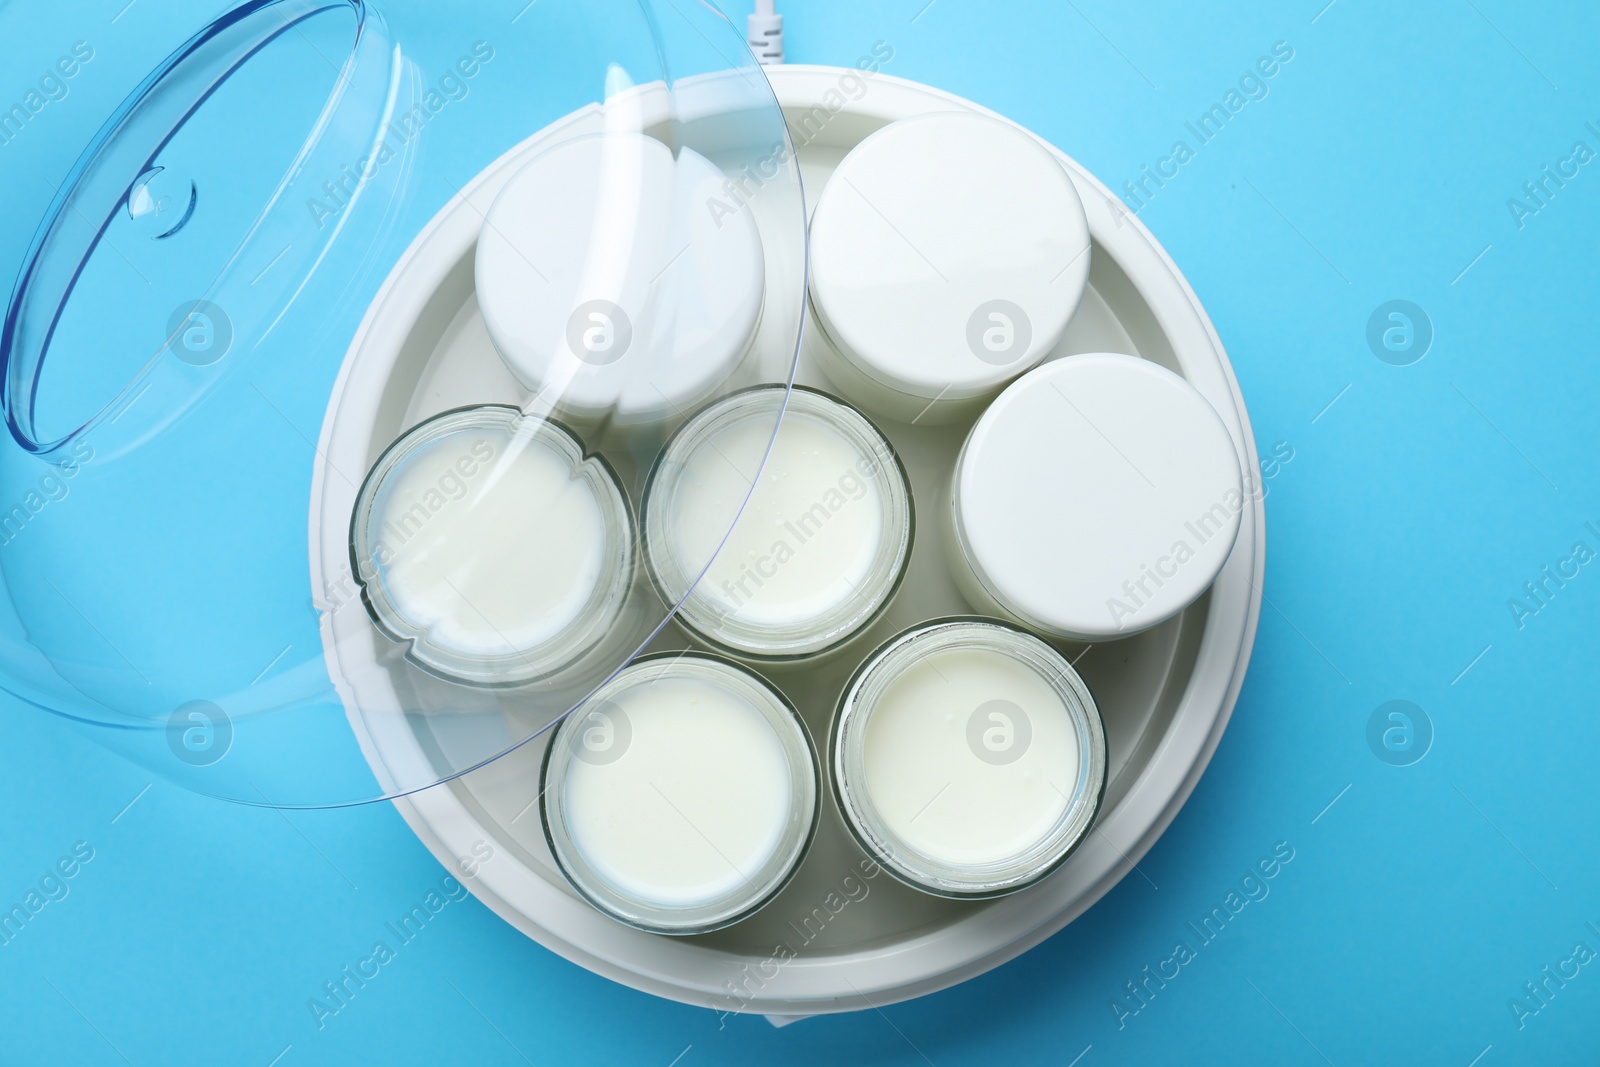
column 1165, row 694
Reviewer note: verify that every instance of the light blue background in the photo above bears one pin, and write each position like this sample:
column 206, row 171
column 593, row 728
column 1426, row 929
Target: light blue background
column 1416, row 505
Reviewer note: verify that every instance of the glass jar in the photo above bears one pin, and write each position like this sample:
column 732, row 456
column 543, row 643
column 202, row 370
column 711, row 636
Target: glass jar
column 820, row 548
column 440, row 539
column 968, row 758
column 682, row 797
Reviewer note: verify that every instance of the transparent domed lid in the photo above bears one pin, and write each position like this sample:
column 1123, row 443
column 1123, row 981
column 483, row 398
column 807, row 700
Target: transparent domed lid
column 337, row 360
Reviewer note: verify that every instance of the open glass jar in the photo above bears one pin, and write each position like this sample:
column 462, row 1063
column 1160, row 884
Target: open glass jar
column 968, row 758
column 821, row 546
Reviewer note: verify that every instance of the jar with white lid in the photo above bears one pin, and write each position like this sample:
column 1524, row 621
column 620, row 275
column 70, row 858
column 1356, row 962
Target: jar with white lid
column 1098, row 496
column 608, row 288
column 948, row 253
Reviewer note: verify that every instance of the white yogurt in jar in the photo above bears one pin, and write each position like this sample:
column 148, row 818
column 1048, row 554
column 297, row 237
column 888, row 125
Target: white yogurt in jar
column 821, row 542
column 969, row 757
column 681, row 796
column 493, row 545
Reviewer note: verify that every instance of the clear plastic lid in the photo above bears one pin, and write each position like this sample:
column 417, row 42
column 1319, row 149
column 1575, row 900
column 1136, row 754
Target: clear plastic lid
column 314, row 251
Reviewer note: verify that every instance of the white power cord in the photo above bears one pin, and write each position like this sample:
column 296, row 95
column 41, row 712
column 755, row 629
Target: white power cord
column 764, row 33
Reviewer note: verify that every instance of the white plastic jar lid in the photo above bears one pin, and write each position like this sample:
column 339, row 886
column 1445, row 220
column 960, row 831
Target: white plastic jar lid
column 1098, row 496
column 948, row 253
column 608, row 286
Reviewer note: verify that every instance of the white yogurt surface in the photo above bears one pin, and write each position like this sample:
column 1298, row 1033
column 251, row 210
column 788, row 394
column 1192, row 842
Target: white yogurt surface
column 926, row 778
column 806, row 541
column 694, row 807
column 488, row 541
